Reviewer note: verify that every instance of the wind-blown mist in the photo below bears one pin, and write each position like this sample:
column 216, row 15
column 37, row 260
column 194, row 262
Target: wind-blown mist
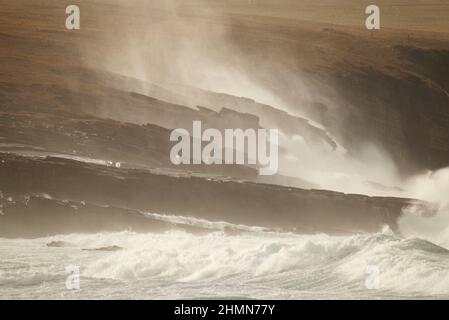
column 434, row 188
column 182, row 48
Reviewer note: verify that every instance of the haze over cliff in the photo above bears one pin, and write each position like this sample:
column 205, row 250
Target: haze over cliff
column 358, row 111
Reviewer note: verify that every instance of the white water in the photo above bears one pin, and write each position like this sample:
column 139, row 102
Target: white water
column 251, row 265
column 434, row 188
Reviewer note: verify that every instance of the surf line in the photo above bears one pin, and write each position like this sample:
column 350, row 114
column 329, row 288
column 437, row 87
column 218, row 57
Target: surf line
column 262, row 147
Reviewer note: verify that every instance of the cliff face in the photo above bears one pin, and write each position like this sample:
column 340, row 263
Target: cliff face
column 405, row 108
column 389, row 88
column 60, row 95
column 74, row 134
column 96, row 188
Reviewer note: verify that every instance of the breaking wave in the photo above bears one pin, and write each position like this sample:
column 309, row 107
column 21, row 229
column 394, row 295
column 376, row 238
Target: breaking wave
column 252, row 265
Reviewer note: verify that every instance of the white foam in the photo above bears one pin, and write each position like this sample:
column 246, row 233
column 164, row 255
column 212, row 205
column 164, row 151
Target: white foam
column 202, row 223
column 255, row 265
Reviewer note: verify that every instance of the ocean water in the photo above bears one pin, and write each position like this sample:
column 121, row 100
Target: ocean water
column 253, row 264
